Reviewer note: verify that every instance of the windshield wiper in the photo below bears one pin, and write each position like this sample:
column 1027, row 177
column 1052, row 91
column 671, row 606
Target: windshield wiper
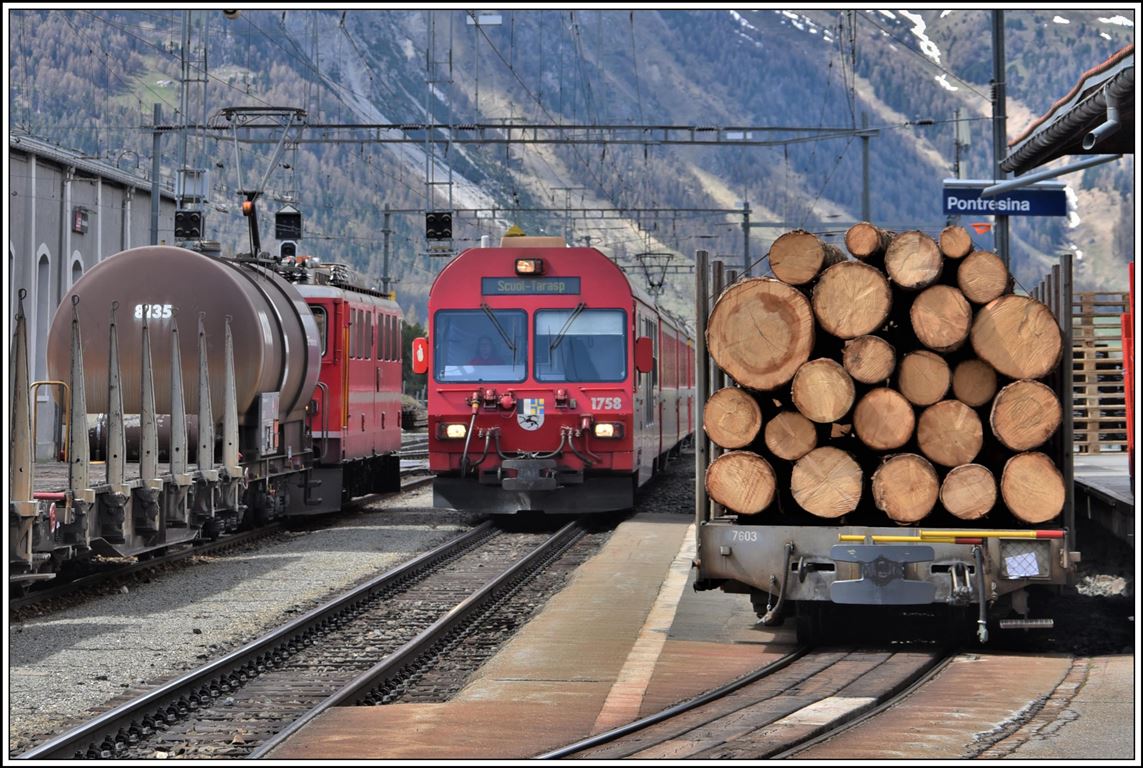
column 560, row 336
column 500, row 329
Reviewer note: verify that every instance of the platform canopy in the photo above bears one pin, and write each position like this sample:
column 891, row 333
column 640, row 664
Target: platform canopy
column 1062, row 129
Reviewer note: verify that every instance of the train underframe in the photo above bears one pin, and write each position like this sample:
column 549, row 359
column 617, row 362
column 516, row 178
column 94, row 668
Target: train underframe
column 812, row 574
column 535, row 485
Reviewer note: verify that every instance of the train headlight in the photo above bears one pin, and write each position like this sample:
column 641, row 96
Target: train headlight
column 608, row 431
column 452, row 431
column 529, row 266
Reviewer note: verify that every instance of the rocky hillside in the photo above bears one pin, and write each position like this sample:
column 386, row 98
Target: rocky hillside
column 88, row 79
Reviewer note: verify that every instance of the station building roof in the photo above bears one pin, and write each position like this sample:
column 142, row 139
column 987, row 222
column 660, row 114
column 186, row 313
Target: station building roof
column 1061, row 130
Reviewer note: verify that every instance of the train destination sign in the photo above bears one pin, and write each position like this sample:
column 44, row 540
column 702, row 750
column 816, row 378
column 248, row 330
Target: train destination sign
column 519, row 286
column 1044, row 198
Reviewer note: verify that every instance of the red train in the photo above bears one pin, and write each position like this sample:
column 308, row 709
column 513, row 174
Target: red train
column 316, row 390
column 555, row 386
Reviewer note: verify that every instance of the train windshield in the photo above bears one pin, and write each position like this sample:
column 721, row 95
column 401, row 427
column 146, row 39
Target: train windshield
column 581, row 345
column 480, row 345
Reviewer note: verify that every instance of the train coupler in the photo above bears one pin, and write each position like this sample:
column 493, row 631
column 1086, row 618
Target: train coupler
column 882, row 579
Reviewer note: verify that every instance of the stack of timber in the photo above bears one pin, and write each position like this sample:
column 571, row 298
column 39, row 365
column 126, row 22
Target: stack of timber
column 903, row 382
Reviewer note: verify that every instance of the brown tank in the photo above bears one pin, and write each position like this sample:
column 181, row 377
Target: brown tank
column 276, row 345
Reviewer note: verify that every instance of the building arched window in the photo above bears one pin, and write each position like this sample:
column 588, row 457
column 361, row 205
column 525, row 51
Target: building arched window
column 76, row 268
column 43, row 314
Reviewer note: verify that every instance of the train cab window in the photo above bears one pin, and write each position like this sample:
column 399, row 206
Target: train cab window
column 322, row 326
column 581, row 345
column 474, row 345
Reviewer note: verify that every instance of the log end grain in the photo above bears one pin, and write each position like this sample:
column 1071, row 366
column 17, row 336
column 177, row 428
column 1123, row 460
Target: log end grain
column 969, row 491
column 949, row 433
column 826, row 482
column 760, row 332
column 974, row 382
column 1018, row 336
column 905, row 487
column 797, row 257
column 955, row 242
column 790, row 435
column 941, row 317
column 852, row 299
column 923, row 377
column 741, row 481
column 822, row 391
column 983, row 277
column 1025, row 414
column 732, row 418
column 869, row 359
column 1032, row 487
column 865, row 240
column 884, row 419
column 913, row 260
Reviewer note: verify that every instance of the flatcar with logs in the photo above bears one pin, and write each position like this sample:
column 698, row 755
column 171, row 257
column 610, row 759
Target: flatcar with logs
column 555, row 385
column 890, row 434
column 283, row 402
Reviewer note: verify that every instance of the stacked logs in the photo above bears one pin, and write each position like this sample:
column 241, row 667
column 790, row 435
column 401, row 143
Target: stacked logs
column 905, row 377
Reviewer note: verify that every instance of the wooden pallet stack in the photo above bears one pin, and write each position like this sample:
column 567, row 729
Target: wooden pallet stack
column 1097, row 351
column 902, row 378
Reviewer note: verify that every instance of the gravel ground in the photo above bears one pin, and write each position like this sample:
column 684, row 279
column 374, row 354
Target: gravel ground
column 72, row 662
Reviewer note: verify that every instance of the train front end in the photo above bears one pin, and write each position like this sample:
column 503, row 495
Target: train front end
column 532, row 398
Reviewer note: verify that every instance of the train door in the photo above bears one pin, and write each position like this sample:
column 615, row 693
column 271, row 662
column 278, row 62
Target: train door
column 647, row 415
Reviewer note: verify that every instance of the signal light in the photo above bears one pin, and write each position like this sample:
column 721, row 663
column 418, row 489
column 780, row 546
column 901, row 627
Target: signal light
column 607, row 430
column 287, row 250
column 288, row 224
column 247, row 207
column 529, row 266
column 188, row 225
column 438, row 225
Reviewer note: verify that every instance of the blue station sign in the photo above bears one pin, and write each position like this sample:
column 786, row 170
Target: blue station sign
column 962, row 197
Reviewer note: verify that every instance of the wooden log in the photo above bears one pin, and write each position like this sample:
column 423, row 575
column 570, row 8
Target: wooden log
column 869, row 359
column 974, row 382
column 851, row 299
column 1032, row 487
column 983, row 277
column 790, row 435
column 732, row 418
column 826, row 482
column 741, row 481
column 923, row 377
column 969, row 491
column 760, row 332
column 797, row 257
column 1025, row 414
column 913, row 260
column 865, row 240
column 941, row 318
column 905, row 487
column 884, row 419
column 822, row 391
column 955, row 242
column 950, row 433
column 1018, row 336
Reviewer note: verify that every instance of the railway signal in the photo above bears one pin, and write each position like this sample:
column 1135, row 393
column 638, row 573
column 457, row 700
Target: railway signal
column 188, row 225
column 438, row 225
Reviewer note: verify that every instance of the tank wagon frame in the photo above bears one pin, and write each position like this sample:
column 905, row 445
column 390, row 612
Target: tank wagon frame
column 286, row 404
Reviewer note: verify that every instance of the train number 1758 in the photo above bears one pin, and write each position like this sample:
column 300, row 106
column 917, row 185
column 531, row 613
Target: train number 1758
column 606, row 403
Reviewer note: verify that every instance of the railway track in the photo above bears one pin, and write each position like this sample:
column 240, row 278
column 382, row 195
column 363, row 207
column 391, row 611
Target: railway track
column 773, row 712
column 363, row 646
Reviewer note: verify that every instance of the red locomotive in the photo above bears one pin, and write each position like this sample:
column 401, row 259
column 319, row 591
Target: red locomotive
column 554, row 385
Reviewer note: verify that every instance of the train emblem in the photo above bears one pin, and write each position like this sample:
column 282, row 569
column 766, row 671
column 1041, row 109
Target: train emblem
column 531, row 413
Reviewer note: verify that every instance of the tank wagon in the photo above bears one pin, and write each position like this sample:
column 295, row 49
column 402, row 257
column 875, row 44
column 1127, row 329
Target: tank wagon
column 832, row 575
column 555, row 386
column 243, row 390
